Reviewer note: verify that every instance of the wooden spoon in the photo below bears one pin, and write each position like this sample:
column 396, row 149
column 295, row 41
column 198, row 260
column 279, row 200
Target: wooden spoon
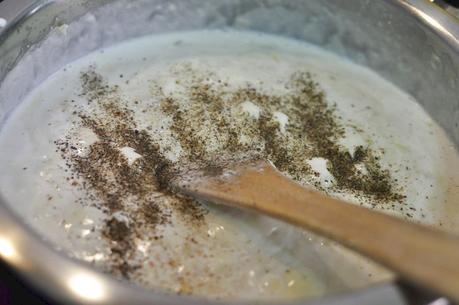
column 419, row 254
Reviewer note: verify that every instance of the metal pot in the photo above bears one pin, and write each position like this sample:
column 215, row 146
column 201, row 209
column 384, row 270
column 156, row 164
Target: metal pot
column 412, row 43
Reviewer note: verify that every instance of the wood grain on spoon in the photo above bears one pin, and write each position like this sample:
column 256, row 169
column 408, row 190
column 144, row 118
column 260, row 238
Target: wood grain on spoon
column 419, row 254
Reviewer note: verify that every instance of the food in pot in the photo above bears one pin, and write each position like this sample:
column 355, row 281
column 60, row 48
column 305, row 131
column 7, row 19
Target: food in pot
column 88, row 156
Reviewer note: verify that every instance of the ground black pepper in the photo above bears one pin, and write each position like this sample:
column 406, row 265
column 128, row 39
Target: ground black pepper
column 209, row 125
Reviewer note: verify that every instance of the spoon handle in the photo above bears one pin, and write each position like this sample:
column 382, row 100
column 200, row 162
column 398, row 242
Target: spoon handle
column 419, row 254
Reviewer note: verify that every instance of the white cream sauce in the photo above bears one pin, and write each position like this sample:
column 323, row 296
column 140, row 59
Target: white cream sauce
column 238, row 254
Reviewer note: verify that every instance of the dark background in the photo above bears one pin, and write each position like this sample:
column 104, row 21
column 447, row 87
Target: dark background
column 13, row 291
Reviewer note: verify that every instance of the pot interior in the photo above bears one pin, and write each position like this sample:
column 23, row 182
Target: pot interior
column 380, row 36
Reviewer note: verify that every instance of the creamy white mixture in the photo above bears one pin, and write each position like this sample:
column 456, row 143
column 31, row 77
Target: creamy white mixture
column 234, row 254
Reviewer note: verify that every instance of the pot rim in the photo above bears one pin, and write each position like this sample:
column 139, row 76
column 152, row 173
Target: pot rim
column 66, row 279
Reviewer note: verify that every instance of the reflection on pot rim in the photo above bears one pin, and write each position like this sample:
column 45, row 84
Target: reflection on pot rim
column 87, row 286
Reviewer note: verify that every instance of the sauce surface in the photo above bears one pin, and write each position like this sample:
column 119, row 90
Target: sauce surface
column 87, row 155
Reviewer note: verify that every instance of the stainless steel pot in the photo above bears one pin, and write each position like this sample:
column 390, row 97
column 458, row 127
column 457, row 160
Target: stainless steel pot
column 413, row 43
